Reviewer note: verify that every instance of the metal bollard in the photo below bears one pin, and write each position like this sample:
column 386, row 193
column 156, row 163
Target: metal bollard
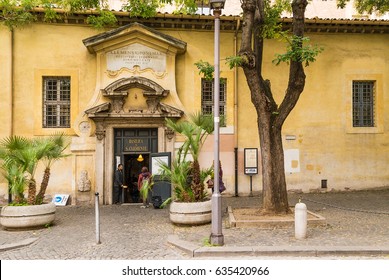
column 300, row 220
column 97, row 218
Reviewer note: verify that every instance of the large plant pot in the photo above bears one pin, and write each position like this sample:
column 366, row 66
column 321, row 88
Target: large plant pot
column 191, row 213
column 30, row 216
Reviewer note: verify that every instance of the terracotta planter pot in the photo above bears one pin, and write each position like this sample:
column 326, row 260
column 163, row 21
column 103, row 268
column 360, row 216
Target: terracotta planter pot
column 30, row 216
column 191, row 213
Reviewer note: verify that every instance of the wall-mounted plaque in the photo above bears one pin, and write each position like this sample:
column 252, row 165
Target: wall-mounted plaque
column 136, row 55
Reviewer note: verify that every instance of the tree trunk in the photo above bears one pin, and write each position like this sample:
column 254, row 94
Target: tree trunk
column 197, row 185
column 275, row 196
column 271, row 117
column 44, row 184
column 31, row 192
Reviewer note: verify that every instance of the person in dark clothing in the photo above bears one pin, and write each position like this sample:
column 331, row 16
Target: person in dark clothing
column 210, row 182
column 118, row 184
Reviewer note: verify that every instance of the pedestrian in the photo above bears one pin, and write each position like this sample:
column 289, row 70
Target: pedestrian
column 144, row 176
column 210, row 182
column 118, row 184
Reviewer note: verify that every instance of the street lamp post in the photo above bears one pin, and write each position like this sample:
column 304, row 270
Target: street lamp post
column 217, row 237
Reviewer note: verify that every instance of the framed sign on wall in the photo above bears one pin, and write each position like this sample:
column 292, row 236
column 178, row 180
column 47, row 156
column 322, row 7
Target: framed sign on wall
column 251, row 161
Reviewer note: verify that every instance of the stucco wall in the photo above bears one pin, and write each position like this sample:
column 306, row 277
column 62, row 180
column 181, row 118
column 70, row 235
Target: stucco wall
column 324, row 144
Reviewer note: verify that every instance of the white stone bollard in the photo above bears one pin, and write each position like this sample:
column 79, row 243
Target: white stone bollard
column 300, row 220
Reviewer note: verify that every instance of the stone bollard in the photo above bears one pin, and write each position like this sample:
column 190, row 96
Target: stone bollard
column 300, row 220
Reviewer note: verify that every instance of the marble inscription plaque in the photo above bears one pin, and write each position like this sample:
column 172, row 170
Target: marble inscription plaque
column 136, row 55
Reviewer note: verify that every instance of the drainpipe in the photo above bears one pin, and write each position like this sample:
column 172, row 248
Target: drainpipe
column 236, row 107
column 11, row 105
column 11, row 96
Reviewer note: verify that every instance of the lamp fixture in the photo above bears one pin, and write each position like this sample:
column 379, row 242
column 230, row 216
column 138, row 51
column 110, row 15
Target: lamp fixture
column 140, row 158
column 217, row 4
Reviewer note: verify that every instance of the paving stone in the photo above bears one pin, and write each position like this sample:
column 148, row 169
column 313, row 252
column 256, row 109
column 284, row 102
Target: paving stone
column 355, row 220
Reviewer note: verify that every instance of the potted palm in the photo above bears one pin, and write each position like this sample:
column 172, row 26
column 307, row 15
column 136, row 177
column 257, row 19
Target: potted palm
column 20, row 158
column 190, row 203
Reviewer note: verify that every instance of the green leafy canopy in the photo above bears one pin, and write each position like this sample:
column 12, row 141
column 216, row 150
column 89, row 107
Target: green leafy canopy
column 17, row 13
column 367, row 6
column 299, row 50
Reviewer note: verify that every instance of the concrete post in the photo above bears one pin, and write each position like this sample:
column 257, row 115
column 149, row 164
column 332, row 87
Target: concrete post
column 97, row 214
column 300, row 220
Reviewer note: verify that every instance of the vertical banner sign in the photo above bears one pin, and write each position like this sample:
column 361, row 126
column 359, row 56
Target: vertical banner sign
column 251, row 161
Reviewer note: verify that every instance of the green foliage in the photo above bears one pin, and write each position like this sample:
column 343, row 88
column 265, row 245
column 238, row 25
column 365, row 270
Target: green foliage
column 186, row 6
column 235, row 61
column 299, row 50
column 368, row 6
column 16, row 13
column 183, row 173
column 146, row 188
column 178, row 175
column 195, row 130
column 205, row 69
column 141, row 8
column 104, row 19
column 56, row 146
column 272, row 28
column 20, row 157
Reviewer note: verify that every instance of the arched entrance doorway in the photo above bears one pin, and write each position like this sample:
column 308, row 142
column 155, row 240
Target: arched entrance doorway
column 123, row 131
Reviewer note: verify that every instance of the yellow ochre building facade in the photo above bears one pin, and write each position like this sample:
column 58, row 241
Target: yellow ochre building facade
column 111, row 90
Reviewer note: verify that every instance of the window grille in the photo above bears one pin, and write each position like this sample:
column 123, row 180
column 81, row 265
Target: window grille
column 207, row 102
column 363, row 104
column 56, row 102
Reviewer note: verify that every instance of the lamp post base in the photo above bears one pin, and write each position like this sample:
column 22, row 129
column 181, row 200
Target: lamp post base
column 216, row 239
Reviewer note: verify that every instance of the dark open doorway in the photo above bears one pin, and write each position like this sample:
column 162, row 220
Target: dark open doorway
column 129, row 144
column 132, row 168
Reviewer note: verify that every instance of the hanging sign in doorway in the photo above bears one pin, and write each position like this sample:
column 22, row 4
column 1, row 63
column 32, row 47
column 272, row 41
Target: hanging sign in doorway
column 136, row 145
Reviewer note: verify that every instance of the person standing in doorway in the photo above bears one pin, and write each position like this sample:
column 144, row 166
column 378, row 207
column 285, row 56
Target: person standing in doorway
column 144, row 176
column 118, row 184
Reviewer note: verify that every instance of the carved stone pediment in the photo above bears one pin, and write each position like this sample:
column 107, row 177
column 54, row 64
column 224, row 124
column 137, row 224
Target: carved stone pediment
column 102, row 108
column 117, row 92
column 130, row 32
column 121, row 87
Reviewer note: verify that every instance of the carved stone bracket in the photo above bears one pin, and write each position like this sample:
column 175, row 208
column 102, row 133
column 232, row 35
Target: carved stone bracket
column 117, row 104
column 100, row 135
column 169, row 133
column 153, row 103
column 100, row 131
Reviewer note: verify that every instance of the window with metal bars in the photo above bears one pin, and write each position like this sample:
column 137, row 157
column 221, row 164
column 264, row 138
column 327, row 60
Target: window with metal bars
column 363, row 103
column 207, row 102
column 56, row 102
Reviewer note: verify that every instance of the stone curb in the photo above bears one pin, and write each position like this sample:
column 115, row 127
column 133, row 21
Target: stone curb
column 300, row 251
column 19, row 244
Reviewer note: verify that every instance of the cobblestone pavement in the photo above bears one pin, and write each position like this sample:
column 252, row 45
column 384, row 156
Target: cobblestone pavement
column 358, row 218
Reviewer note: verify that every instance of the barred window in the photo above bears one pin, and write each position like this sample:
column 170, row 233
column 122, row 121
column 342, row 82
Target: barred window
column 56, row 102
column 363, row 103
column 207, row 102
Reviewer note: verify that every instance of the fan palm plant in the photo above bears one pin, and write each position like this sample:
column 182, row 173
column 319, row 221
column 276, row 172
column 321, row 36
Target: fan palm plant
column 15, row 165
column 20, row 157
column 195, row 130
column 57, row 144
